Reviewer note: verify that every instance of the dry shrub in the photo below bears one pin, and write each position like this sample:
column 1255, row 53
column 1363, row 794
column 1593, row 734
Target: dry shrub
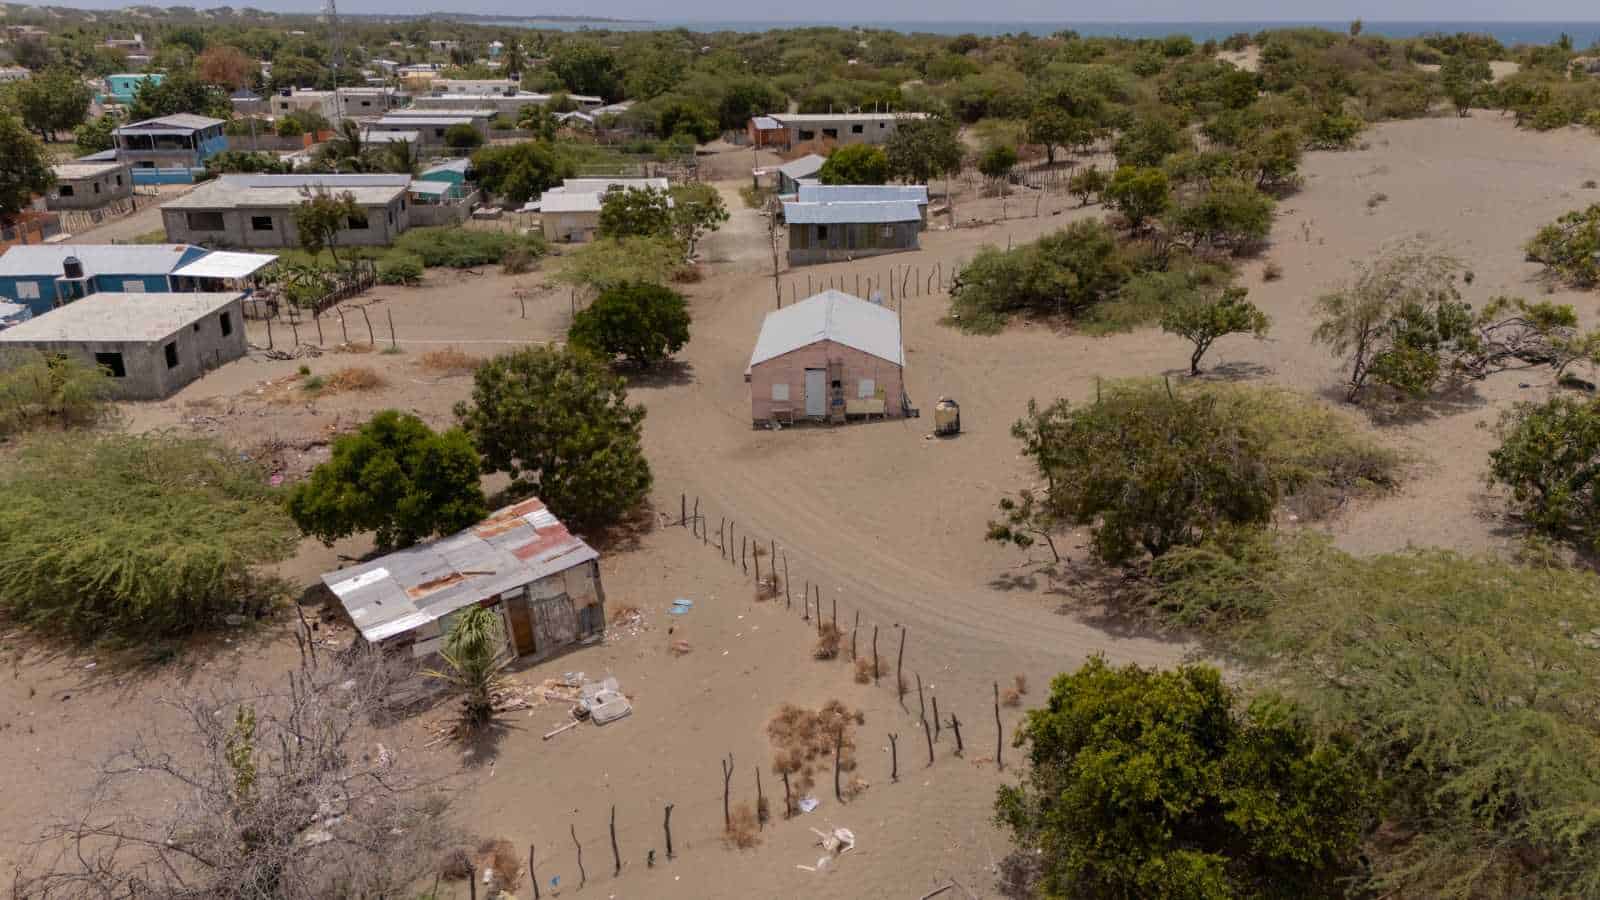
column 864, row 671
column 1020, row 682
column 449, row 361
column 354, row 347
column 768, row 588
column 856, row 786
column 1010, row 697
column 624, row 614
column 763, row 810
column 688, row 275
column 743, row 831
column 1271, row 272
column 354, row 378
column 828, row 639
column 800, row 735
column 456, row 865
column 500, row 856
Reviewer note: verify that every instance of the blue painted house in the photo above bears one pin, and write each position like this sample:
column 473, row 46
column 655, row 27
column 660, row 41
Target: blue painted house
column 40, row 277
column 123, row 87
column 169, row 149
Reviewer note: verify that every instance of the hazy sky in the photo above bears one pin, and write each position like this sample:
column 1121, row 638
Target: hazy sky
column 964, row 10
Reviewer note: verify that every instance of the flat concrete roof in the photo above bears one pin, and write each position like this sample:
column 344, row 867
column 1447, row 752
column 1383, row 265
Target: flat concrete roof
column 789, row 118
column 73, row 171
column 118, row 318
column 283, row 191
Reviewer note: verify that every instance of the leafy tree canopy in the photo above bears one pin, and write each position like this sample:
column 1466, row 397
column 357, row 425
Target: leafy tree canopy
column 642, row 323
column 855, row 164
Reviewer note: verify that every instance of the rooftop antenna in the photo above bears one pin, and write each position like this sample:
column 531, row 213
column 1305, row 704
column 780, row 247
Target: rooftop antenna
column 330, row 14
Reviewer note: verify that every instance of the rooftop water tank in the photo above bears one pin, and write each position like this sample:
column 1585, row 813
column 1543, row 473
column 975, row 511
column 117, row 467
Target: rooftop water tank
column 72, row 268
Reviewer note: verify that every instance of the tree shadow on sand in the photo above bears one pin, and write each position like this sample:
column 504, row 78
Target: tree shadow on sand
column 1387, row 410
column 672, row 373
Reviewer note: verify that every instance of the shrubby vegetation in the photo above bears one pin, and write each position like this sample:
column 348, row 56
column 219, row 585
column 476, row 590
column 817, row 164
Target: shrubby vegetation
column 39, row 390
column 1168, row 784
column 1063, row 274
column 134, row 536
column 1549, row 458
column 1569, row 247
column 396, row 477
column 463, row 248
column 855, row 164
column 558, row 422
column 642, row 323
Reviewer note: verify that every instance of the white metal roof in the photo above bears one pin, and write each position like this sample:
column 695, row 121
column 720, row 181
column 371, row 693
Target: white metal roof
column 227, row 264
column 872, row 213
column 561, row 201
column 178, row 122
column 830, row 316
column 862, row 193
column 431, row 187
column 766, row 123
column 803, row 167
column 369, row 136
column 788, row 118
column 97, row 259
column 449, row 165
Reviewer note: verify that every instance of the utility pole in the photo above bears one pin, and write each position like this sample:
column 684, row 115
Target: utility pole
column 330, row 12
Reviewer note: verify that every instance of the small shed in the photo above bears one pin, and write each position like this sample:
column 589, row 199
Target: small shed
column 793, row 172
column 521, row 562
column 765, row 131
column 830, row 357
column 150, row 344
column 832, row 232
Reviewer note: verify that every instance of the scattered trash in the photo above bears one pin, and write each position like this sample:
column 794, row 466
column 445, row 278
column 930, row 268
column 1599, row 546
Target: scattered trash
column 679, row 648
column 604, row 701
column 680, row 606
column 837, row 841
column 807, row 804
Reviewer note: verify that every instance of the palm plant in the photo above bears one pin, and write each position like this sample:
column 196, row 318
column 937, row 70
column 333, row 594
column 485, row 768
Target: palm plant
column 474, row 656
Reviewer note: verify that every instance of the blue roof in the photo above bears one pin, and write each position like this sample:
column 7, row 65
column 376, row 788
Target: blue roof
column 847, row 213
column 45, row 260
column 862, row 193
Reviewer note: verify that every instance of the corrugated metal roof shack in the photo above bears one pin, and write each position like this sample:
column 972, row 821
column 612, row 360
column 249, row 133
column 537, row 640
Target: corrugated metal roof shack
column 522, row 562
column 838, row 231
column 830, row 357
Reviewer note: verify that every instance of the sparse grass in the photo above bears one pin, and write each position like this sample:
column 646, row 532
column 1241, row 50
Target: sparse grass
column 355, row 378
column 313, row 384
column 449, row 361
column 157, row 236
column 1010, row 697
column 754, row 197
column 499, row 854
column 1019, row 683
column 768, row 588
column 1271, row 272
column 392, row 350
column 1590, row 185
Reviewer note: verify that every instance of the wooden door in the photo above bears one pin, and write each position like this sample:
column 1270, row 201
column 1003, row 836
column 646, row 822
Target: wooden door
column 816, row 392
column 515, row 604
column 555, row 623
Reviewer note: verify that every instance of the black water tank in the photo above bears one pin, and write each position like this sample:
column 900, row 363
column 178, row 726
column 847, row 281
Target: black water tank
column 72, row 268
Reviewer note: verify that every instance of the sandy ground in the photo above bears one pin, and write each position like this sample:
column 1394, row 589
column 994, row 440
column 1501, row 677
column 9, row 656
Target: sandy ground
column 1248, row 59
column 886, row 521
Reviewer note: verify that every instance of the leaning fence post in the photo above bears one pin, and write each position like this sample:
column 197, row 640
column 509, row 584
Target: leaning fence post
column 666, row 825
column 998, row 731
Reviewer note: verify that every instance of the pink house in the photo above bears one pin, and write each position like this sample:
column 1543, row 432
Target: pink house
column 829, row 357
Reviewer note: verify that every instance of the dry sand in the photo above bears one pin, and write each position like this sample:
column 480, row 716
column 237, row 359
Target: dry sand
column 882, row 519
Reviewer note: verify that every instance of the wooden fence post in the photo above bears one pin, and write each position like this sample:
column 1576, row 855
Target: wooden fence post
column 928, row 733
column 531, row 874
column 899, row 680
column 666, row 825
column 788, row 601
column 936, row 717
column 616, row 856
column 955, row 725
column 999, row 732
column 727, row 790
column 838, row 747
column 894, row 758
column 583, row 877
column 874, row 654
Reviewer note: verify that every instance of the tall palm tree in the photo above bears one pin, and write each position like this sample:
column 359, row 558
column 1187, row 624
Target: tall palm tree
column 398, row 157
column 346, row 146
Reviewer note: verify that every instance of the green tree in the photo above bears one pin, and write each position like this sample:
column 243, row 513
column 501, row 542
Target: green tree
column 1150, row 140
column 1052, row 127
column 521, row 171
column 642, row 323
column 462, row 136
column 248, row 161
column 921, row 150
column 319, row 218
column 1202, row 320
column 1569, row 247
column 1148, row 783
column 1086, row 183
column 1228, row 212
column 1139, row 194
column 745, row 99
column 1397, row 322
column 95, row 135
column 1333, row 131
column 181, row 91
column 584, row 67
column 27, row 167
column 635, row 212
column 855, row 164
column 39, row 390
column 1274, row 157
column 1061, row 274
column 997, row 162
column 1147, row 469
column 52, row 101
column 559, row 423
column 474, row 654
column 395, row 477
column 1549, row 458
column 697, row 210
column 1464, row 77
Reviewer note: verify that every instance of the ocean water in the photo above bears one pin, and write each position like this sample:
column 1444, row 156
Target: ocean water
column 1583, row 34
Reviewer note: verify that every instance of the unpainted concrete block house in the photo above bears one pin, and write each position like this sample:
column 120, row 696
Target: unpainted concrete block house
column 522, row 562
column 246, row 211
column 829, row 358
column 151, row 344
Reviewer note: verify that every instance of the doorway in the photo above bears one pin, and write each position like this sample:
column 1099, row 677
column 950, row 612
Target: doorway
column 816, row 392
